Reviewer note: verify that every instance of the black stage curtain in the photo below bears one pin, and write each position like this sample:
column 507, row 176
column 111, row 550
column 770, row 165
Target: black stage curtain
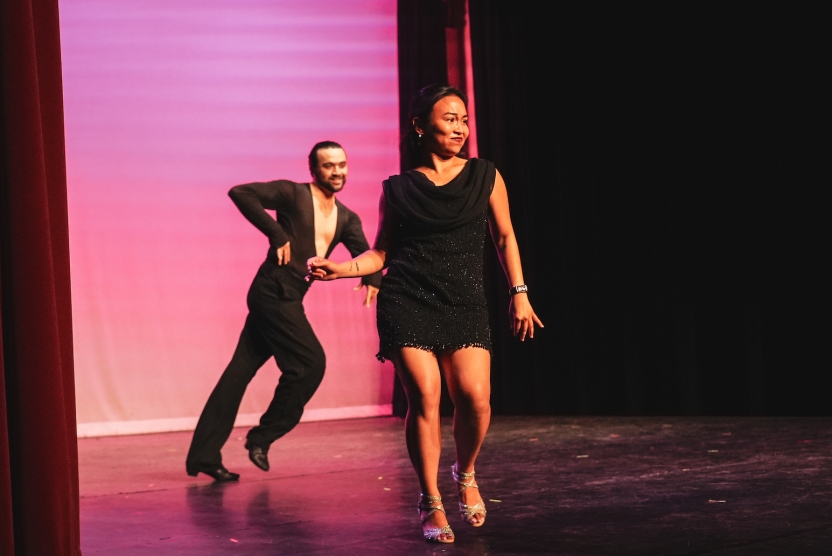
column 422, row 61
column 422, row 53
column 38, row 449
column 665, row 164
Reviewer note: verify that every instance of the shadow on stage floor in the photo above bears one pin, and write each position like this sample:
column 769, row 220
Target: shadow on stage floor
column 553, row 485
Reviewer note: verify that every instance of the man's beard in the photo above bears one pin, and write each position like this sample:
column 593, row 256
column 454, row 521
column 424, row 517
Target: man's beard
column 329, row 187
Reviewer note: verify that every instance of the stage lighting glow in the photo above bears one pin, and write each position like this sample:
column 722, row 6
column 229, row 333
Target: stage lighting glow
column 168, row 105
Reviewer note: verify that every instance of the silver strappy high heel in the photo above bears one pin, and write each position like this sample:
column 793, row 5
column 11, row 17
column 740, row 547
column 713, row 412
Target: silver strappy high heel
column 465, row 481
column 433, row 504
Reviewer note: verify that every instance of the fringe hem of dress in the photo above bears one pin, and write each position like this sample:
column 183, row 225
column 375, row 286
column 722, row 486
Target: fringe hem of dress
column 382, row 355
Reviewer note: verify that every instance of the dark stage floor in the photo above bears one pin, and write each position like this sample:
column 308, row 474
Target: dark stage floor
column 582, row 486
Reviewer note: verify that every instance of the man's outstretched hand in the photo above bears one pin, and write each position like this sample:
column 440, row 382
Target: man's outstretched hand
column 372, row 292
column 321, row 269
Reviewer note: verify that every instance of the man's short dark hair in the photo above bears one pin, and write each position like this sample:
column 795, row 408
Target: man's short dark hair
column 313, row 154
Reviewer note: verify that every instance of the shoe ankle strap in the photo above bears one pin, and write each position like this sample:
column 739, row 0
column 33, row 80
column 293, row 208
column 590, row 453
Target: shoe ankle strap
column 426, row 504
column 461, row 475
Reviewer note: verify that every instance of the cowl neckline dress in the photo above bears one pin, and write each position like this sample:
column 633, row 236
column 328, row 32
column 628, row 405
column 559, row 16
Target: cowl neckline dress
column 432, row 295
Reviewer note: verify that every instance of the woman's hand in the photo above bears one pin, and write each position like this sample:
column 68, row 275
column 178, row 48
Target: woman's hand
column 522, row 316
column 323, row 269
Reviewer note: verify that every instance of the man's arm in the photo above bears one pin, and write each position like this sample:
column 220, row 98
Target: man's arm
column 252, row 199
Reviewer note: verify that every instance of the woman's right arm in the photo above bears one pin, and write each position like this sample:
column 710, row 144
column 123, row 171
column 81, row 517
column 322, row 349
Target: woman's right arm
column 366, row 263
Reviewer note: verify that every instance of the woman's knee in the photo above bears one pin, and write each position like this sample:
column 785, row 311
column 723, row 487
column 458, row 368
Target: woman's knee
column 474, row 400
column 422, row 400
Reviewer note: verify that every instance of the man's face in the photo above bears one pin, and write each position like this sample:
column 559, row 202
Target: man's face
column 331, row 173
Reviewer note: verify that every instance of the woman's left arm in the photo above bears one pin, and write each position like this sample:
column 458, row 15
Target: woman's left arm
column 521, row 313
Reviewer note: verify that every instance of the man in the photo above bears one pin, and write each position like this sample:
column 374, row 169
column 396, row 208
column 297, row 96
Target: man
column 310, row 221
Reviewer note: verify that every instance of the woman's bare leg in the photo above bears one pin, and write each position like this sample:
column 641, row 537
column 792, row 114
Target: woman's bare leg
column 418, row 371
column 468, row 375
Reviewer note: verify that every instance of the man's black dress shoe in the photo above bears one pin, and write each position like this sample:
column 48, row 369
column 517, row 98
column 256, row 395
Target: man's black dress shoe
column 217, row 472
column 258, row 456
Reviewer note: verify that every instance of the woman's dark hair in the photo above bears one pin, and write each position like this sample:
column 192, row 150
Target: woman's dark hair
column 421, row 107
column 313, row 154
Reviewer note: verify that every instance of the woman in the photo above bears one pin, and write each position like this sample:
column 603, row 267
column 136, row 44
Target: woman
column 432, row 315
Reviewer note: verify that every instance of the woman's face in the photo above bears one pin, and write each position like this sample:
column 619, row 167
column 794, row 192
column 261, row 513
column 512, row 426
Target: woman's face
column 447, row 130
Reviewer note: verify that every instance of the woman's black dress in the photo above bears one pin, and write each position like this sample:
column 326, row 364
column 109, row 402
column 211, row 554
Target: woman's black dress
column 432, row 295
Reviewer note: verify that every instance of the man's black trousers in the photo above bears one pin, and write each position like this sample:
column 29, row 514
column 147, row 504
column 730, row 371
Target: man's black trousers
column 277, row 327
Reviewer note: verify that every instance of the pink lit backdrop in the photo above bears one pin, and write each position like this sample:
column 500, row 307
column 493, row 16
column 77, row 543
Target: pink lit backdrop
column 169, row 104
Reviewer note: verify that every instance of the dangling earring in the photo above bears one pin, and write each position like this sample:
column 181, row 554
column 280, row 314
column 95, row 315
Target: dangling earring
column 419, row 140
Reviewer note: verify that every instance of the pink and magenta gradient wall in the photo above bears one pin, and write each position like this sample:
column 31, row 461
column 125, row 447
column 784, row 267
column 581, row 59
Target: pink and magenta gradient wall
column 169, row 104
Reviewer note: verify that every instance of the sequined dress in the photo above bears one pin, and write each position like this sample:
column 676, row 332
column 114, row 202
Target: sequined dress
column 432, row 296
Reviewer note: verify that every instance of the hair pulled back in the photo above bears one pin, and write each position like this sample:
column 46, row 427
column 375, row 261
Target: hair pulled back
column 420, row 107
column 313, row 154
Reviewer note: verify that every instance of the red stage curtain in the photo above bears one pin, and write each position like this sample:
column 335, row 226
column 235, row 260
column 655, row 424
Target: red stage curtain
column 38, row 449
